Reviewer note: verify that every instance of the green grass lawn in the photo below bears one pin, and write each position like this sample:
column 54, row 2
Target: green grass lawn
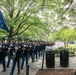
column 71, row 46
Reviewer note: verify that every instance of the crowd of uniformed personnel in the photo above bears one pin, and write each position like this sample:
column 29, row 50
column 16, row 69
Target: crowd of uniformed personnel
column 19, row 51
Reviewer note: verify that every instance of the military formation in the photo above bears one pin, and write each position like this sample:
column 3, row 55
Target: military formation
column 19, row 52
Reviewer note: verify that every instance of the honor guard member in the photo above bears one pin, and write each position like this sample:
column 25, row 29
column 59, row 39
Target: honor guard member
column 38, row 54
column 31, row 51
column 3, row 54
column 25, row 54
column 10, row 44
column 35, row 50
column 16, row 57
column 0, row 51
column 39, row 49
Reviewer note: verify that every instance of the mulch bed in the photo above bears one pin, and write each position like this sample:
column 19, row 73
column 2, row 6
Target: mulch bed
column 56, row 72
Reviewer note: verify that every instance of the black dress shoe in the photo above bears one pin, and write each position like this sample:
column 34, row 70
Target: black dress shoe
column 11, row 74
column 7, row 66
column 18, row 73
column 21, row 68
column 3, row 70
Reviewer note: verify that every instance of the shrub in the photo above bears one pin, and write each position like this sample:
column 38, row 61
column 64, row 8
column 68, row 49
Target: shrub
column 57, row 51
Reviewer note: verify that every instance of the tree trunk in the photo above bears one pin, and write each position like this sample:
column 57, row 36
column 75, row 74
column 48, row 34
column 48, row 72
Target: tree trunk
column 65, row 44
column 10, row 33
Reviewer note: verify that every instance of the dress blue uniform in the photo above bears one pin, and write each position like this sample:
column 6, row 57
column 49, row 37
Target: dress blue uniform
column 3, row 55
column 25, row 55
column 35, row 51
column 31, row 51
column 17, row 53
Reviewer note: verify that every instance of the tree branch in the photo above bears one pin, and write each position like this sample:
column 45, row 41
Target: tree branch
column 43, row 2
column 24, row 12
column 21, row 24
column 9, row 5
column 67, row 7
column 4, row 32
column 20, row 9
column 27, row 9
column 22, row 31
column 11, row 8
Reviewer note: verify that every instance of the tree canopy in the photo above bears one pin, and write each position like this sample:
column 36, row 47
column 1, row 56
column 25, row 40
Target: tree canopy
column 36, row 19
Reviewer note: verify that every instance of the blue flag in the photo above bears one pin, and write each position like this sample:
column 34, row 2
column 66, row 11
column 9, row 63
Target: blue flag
column 3, row 24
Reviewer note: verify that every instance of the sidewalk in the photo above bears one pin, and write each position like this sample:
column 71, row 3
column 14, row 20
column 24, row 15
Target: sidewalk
column 34, row 67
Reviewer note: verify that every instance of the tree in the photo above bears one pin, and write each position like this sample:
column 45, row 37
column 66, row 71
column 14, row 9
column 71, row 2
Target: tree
column 17, row 13
column 65, row 34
